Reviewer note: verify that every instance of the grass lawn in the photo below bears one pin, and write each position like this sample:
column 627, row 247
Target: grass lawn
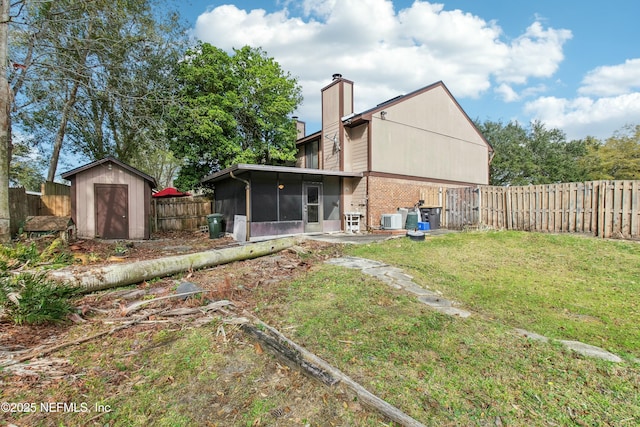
column 441, row 370
column 476, row 371
column 562, row 286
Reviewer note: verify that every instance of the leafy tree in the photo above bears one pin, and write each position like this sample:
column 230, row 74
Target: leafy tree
column 511, row 158
column 160, row 163
column 233, row 109
column 617, row 158
column 26, row 167
column 533, row 155
column 96, row 75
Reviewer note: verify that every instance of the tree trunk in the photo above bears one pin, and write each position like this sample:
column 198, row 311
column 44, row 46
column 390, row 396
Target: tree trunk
column 111, row 276
column 300, row 358
column 57, row 145
column 5, row 124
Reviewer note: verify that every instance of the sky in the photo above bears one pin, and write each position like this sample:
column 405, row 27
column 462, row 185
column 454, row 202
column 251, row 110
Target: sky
column 573, row 65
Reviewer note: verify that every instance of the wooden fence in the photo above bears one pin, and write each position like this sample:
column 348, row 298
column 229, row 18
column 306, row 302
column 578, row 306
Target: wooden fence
column 461, row 208
column 180, row 213
column 55, row 200
column 602, row 208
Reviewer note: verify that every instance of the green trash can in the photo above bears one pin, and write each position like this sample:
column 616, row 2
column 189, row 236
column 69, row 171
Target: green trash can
column 215, row 225
column 412, row 221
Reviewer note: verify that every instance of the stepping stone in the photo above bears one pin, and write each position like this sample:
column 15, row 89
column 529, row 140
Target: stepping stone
column 591, row 351
column 452, row 311
column 435, row 301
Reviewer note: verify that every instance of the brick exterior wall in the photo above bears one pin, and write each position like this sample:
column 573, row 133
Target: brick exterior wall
column 386, row 195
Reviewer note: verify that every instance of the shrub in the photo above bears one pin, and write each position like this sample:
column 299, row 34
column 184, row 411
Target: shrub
column 34, row 299
column 17, row 255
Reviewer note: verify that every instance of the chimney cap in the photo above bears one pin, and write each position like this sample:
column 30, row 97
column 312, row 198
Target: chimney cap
column 337, row 76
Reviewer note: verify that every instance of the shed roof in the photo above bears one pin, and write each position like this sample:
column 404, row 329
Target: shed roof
column 72, row 172
column 242, row 168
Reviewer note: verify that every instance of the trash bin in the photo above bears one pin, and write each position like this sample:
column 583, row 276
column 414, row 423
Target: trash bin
column 412, row 221
column 434, row 217
column 215, row 225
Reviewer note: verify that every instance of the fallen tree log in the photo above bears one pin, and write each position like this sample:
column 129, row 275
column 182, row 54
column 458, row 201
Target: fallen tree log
column 112, row 276
column 299, row 358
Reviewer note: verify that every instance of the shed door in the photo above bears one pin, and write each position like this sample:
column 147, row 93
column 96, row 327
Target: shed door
column 312, row 200
column 112, row 209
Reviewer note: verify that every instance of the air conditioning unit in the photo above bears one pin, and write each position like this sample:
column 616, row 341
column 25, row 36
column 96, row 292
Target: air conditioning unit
column 392, row 221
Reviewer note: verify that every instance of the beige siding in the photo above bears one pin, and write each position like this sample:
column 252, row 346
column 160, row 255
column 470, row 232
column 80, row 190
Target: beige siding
column 429, row 136
column 356, row 149
column 330, row 151
column 330, row 128
column 85, row 199
column 347, row 98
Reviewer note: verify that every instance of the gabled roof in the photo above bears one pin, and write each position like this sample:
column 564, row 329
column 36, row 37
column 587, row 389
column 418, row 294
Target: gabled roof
column 242, row 168
column 311, row 137
column 365, row 116
column 109, row 159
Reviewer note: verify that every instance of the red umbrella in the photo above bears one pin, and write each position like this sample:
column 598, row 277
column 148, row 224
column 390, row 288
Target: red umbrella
column 170, row 192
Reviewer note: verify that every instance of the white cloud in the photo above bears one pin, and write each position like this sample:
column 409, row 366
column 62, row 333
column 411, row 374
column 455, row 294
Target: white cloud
column 384, row 51
column 612, row 80
column 507, row 93
column 537, row 53
column 584, row 116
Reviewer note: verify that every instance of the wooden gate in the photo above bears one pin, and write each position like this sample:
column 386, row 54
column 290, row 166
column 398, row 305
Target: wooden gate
column 462, row 207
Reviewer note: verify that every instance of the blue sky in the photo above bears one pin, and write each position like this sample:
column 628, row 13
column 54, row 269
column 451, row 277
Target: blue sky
column 574, row 65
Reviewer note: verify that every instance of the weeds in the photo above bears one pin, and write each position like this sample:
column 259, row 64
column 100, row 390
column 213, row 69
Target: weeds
column 13, row 257
column 34, row 299
column 20, row 254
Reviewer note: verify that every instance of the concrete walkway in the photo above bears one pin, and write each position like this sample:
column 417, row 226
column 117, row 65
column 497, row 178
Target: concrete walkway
column 397, row 279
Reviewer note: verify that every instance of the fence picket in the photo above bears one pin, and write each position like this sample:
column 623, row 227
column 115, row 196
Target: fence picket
column 635, row 209
column 603, row 208
column 180, row 213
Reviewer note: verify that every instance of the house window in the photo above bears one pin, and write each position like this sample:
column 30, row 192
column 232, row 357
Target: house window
column 311, row 155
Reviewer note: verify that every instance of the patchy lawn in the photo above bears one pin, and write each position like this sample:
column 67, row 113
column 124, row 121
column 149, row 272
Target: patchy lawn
column 201, row 370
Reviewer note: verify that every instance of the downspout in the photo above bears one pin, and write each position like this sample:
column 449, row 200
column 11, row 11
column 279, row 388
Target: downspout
column 247, row 189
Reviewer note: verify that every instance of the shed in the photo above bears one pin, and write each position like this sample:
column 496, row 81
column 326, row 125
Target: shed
column 110, row 200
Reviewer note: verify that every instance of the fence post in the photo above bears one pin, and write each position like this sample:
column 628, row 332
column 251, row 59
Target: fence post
column 635, row 209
